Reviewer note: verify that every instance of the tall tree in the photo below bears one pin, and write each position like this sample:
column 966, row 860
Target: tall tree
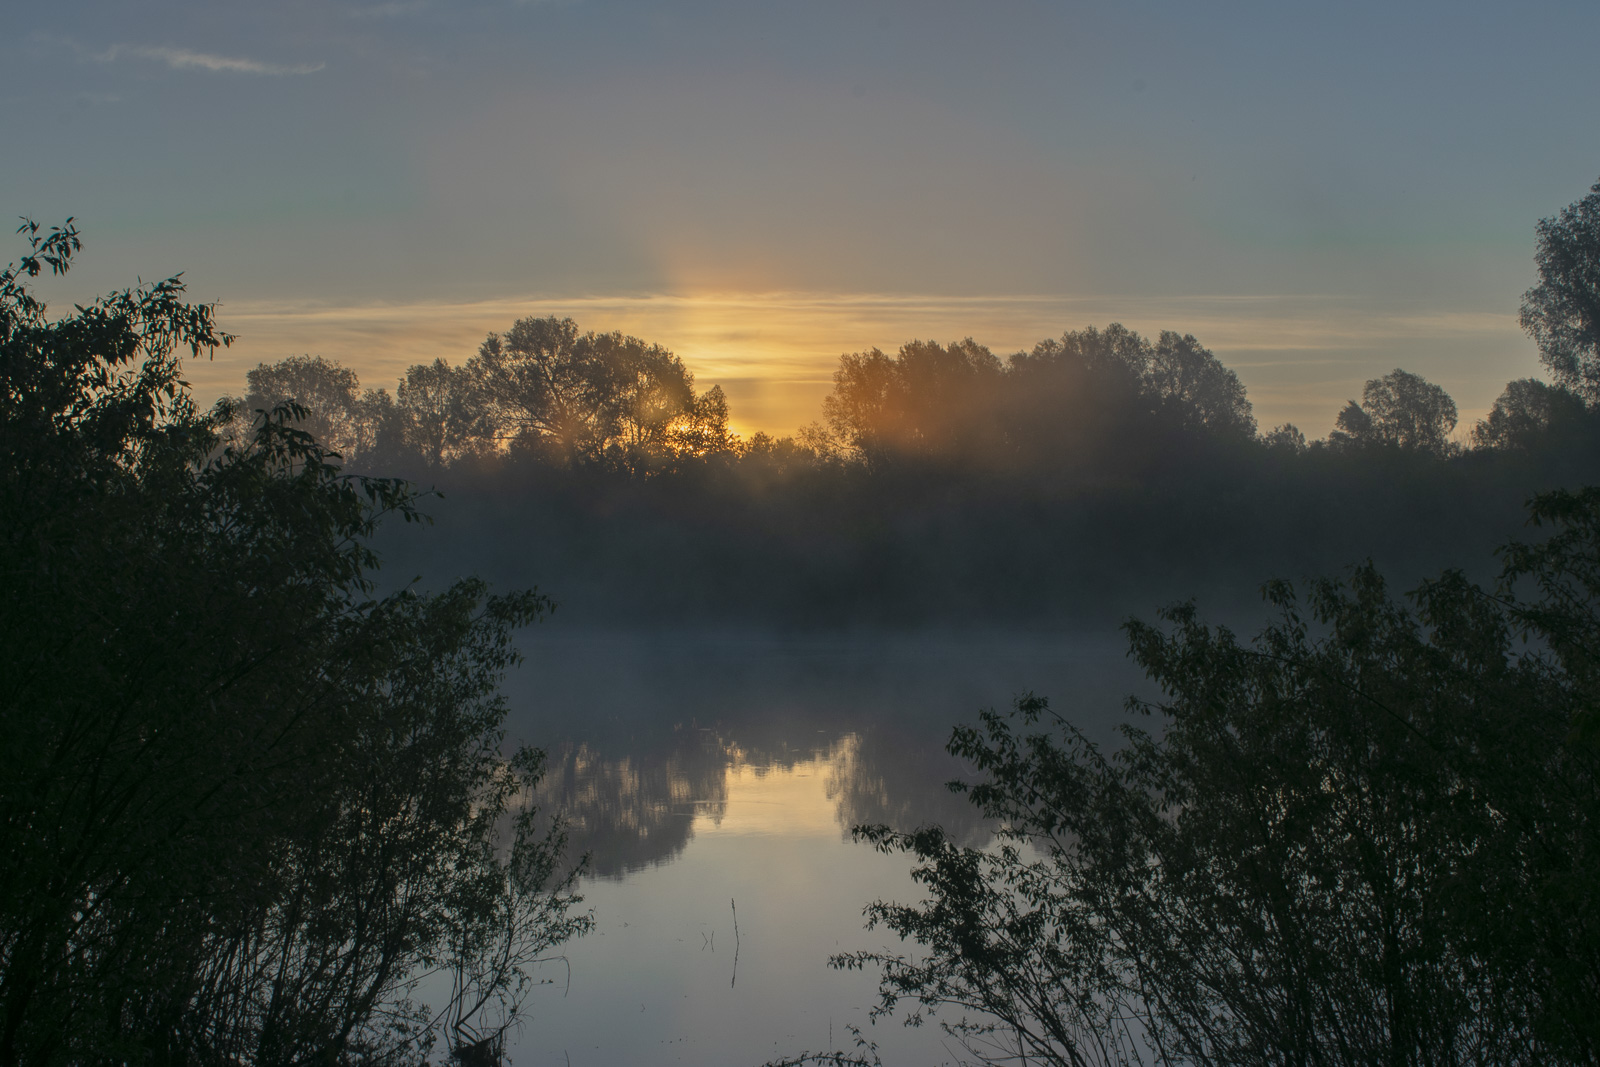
column 929, row 400
column 1177, row 377
column 1562, row 312
column 1187, row 380
column 439, row 410
column 1066, row 398
column 860, row 411
column 704, row 431
column 580, row 397
column 244, row 805
column 329, row 393
column 544, row 390
column 1077, row 401
column 1399, row 410
column 654, row 393
column 1524, row 414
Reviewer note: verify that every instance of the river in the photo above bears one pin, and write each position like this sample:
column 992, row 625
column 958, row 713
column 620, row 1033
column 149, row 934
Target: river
column 712, row 779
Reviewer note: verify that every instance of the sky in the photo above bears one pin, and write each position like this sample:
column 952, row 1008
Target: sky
column 1319, row 192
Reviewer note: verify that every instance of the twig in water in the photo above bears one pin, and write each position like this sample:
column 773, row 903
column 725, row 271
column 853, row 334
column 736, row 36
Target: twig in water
column 735, row 979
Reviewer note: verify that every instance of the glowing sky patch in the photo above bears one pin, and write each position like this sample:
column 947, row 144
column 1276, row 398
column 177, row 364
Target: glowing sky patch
column 774, row 353
column 1320, row 193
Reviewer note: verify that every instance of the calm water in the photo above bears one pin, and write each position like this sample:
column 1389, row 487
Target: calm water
column 713, row 781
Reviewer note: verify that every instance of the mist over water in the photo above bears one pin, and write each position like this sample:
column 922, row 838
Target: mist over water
column 713, row 775
column 758, row 646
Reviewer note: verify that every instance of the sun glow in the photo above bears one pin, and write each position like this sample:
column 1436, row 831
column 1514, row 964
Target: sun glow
column 774, row 353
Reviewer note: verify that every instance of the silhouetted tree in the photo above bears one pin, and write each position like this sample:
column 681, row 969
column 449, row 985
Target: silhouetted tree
column 703, row 430
column 545, row 390
column 1187, row 380
column 959, row 404
column 379, row 430
column 1176, row 377
column 1370, row 835
column 244, row 805
column 1114, row 350
column 782, row 454
column 329, row 393
column 356, row 424
column 860, row 412
column 654, row 394
column 942, row 398
column 928, row 400
column 581, row 398
column 441, row 413
column 1077, row 402
column 1522, row 416
column 1285, row 438
column 1562, row 312
column 1399, row 410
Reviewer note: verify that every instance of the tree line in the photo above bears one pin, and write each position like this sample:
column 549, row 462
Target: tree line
column 542, row 390
column 546, row 391
column 941, row 484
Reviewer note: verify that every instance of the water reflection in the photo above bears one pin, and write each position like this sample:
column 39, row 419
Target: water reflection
column 640, row 809
column 636, row 810
column 700, row 770
column 876, row 779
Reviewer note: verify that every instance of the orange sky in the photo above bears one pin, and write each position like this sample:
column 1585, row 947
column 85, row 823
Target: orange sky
column 774, row 353
column 383, row 183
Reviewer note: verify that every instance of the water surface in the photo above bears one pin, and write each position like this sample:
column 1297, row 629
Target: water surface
column 713, row 780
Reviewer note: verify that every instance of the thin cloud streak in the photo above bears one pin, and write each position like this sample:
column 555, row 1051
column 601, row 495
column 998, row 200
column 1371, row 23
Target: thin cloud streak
column 187, row 59
column 398, row 9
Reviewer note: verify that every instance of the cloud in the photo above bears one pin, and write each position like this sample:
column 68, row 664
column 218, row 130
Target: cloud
column 186, row 59
column 384, row 9
column 391, row 9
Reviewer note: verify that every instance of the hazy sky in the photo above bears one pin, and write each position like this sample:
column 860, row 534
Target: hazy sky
column 1320, row 192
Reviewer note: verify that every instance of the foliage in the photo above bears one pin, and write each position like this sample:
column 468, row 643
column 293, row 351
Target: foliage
column 441, row 417
column 244, row 806
column 1369, row 835
column 1195, row 387
column 961, row 405
column 702, row 430
column 927, row 400
column 1399, row 410
column 1111, row 467
column 1565, row 571
column 1175, row 379
column 577, row 398
column 330, row 393
column 1091, row 401
column 1526, row 414
column 1286, row 438
column 1562, row 312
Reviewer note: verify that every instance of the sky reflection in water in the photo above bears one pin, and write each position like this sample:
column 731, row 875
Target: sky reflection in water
column 710, row 778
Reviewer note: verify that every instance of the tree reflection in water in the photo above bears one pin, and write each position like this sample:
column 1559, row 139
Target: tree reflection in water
column 639, row 810
column 878, row 778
